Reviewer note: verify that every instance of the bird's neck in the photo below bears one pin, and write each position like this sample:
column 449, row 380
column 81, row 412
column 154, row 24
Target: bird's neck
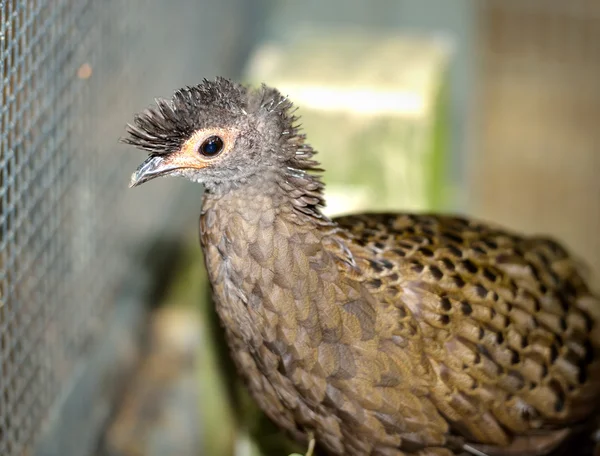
column 262, row 255
column 294, row 196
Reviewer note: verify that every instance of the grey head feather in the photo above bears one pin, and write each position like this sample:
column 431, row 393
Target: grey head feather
column 270, row 139
column 163, row 128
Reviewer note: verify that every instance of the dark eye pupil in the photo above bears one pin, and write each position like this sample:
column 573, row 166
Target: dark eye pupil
column 211, row 146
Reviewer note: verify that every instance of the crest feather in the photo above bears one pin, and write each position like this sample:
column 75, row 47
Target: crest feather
column 163, row 128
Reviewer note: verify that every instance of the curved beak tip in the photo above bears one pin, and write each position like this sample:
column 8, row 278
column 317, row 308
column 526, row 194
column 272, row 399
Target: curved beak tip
column 134, row 181
column 152, row 167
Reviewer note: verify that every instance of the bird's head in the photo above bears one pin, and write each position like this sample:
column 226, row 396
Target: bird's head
column 221, row 134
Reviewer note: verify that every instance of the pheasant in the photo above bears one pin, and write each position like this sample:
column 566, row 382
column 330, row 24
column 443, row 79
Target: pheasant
column 381, row 334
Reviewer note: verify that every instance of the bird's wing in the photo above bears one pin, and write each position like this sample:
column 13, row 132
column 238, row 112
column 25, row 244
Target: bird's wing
column 509, row 325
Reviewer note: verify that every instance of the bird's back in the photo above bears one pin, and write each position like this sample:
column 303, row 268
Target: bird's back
column 507, row 323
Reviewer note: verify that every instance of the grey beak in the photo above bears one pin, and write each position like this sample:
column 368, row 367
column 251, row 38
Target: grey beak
column 152, row 167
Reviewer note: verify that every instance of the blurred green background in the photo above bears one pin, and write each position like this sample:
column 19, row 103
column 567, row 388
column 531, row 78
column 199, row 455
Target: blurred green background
column 488, row 108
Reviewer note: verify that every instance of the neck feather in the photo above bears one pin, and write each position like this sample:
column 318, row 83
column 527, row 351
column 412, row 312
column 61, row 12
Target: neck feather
column 262, row 246
column 294, row 190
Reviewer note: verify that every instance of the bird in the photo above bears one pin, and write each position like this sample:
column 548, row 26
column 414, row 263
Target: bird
column 384, row 333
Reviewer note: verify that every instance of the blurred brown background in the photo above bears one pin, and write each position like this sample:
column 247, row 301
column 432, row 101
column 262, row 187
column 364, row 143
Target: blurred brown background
column 538, row 141
column 108, row 343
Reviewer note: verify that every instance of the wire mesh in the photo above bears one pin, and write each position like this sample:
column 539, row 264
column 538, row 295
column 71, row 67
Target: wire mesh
column 72, row 72
column 57, row 262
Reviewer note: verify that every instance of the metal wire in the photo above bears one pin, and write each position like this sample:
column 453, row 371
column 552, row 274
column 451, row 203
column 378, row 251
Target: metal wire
column 57, row 264
column 72, row 73
column 63, row 68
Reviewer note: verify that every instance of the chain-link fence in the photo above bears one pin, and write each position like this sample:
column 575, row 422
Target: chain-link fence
column 72, row 72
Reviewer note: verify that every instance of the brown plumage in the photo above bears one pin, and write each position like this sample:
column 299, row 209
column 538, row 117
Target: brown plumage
column 381, row 334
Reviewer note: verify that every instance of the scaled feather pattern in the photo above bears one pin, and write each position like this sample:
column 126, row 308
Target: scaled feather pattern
column 379, row 334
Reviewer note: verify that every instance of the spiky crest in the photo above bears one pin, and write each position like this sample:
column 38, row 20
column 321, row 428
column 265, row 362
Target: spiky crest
column 163, row 128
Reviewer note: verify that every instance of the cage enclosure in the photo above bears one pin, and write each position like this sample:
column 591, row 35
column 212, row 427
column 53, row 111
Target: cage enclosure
column 109, row 344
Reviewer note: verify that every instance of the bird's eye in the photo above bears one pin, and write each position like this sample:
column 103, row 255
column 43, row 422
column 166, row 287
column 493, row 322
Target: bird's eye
column 211, row 147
